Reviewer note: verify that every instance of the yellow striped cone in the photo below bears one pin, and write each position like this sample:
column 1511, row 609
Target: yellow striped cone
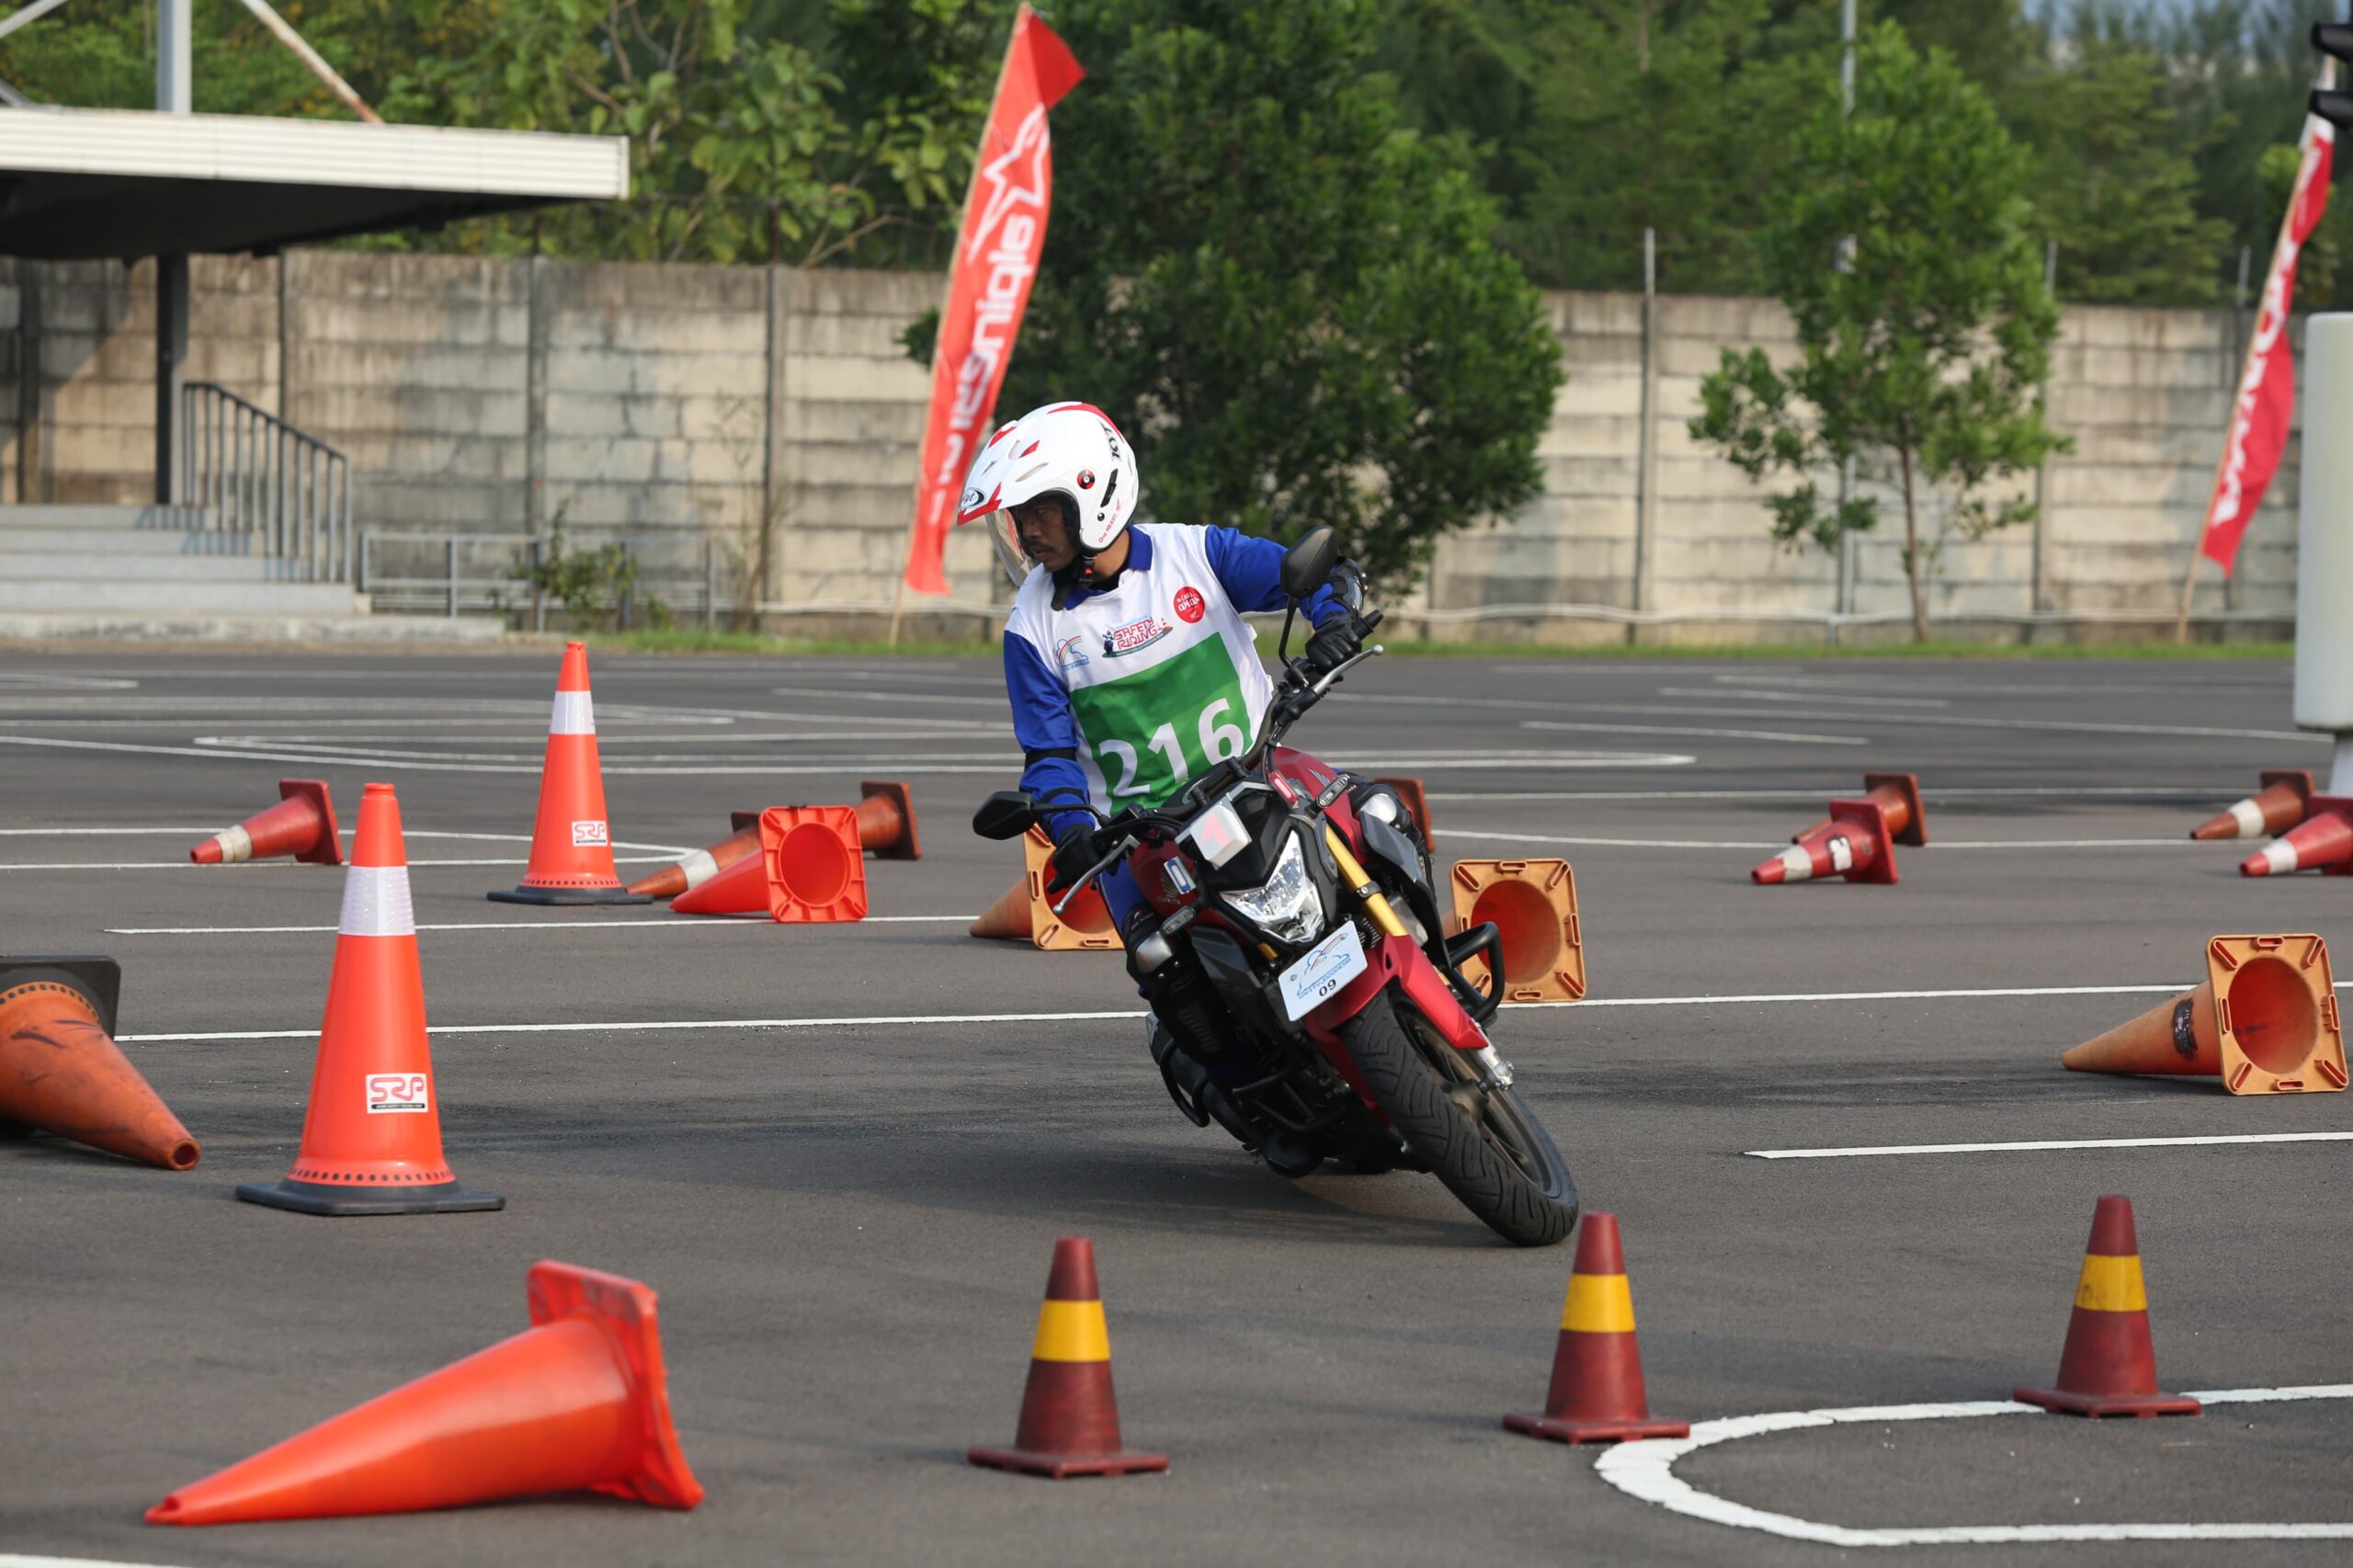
column 1070, row 1423
column 2109, row 1365
column 1596, row 1394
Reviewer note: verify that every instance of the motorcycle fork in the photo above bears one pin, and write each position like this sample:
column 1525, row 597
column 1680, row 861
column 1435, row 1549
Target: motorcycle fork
column 1367, row 892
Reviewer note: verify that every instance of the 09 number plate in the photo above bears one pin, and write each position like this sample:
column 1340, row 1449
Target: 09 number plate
column 1318, row 977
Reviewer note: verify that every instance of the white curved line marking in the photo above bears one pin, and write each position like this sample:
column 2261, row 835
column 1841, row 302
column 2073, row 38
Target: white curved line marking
column 1646, row 1470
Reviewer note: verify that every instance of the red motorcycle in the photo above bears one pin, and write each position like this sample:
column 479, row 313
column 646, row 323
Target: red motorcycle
column 1304, row 996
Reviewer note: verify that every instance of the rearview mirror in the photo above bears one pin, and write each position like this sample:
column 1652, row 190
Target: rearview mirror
column 1308, row 563
column 1009, row 814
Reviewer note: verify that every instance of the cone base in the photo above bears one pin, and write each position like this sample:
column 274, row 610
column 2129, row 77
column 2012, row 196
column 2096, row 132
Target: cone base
column 2097, row 1405
column 1562, row 1430
column 1064, row 1467
column 318, row 1198
column 615, row 894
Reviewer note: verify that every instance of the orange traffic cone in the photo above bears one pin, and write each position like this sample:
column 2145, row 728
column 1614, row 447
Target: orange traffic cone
column 2109, row 1365
column 690, row 873
column 371, row 1138
column 1070, row 1423
column 577, row 1402
column 1898, row 795
column 1416, row 802
column 1596, row 1392
column 2264, row 1021
column 2322, row 842
column 886, row 820
column 1024, row 913
column 61, row 1071
column 808, row 869
column 1533, row 903
column 301, row 825
column 2278, row 806
column 1858, row 843
column 571, row 839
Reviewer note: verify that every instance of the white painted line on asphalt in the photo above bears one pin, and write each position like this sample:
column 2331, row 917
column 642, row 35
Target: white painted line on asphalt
column 678, row 923
column 1930, row 794
column 1753, row 694
column 1787, row 736
column 1936, row 720
column 18, row 1560
column 184, row 864
column 1759, row 844
column 1646, row 1470
column 2038, row 1145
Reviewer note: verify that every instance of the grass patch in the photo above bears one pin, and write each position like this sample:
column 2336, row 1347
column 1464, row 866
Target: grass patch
column 1934, row 648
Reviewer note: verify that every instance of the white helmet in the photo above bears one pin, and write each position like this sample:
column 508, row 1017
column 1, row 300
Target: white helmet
column 1072, row 449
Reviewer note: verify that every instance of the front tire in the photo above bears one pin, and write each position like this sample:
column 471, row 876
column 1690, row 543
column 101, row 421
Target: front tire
column 1483, row 1142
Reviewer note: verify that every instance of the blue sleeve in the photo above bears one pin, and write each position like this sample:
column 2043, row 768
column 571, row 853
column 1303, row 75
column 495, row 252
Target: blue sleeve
column 1250, row 570
column 1048, row 732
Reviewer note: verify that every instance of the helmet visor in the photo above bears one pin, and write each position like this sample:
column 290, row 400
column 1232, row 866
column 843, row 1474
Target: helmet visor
column 1007, row 540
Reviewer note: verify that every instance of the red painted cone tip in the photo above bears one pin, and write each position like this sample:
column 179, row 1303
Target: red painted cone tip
column 2112, row 1233
column 573, row 676
column 1597, row 1248
column 1766, row 874
column 377, row 841
column 1073, row 1276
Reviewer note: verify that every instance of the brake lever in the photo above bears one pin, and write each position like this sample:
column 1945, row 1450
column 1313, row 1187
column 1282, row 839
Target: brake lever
column 1086, row 879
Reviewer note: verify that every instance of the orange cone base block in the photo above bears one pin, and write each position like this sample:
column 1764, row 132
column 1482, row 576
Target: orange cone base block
column 1571, row 1431
column 1069, row 1403
column 1064, row 1467
column 2097, row 1405
column 321, row 1197
column 525, row 893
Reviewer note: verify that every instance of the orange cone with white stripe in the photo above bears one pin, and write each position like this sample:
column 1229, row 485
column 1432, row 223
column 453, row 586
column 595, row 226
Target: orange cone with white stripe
column 1898, row 795
column 571, row 839
column 2109, row 1364
column 2265, row 1022
column 371, row 1138
column 1070, row 1423
column 301, row 825
column 2276, row 807
column 1597, row 1393
column 2322, row 842
column 1855, row 844
column 691, row 871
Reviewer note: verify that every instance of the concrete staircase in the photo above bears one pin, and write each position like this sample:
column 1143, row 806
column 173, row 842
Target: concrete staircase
column 160, row 572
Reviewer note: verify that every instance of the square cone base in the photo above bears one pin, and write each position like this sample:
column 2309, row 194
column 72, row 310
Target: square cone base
column 571, row 895
column 1064, row 1467
column 2099, row 1406
column 317, row 1198
column 1558, row 1430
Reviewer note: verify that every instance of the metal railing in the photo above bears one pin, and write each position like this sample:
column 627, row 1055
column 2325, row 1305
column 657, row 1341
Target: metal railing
column 455, row 572
column 256, row 475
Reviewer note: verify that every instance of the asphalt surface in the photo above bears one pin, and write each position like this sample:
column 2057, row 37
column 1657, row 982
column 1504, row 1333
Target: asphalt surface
column 850, row 1224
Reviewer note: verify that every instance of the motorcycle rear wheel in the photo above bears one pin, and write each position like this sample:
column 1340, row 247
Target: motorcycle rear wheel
column 1484, row 1144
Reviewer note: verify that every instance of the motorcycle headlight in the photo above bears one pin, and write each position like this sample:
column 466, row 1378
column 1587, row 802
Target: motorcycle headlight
column 1287, row 902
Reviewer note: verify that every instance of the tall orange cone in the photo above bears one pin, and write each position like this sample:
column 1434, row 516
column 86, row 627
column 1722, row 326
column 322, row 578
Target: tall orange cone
column 2276, row 807
column 1533, row 905
column 1024, row 912
column 301, row 825
column 1596, row 1393
column 2109, row 1364
column 1898, row 794
column 2264, row 1021
column 371, row 1138
column 1070, row 1423
column 578, row 1402
column 2322, row 842
column 1858, row 844
column 571, row 839
column 61, row 1071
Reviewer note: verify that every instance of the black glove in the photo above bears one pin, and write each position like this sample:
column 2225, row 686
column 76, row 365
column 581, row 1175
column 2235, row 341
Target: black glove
column 1073, row 854
column 1334, row 643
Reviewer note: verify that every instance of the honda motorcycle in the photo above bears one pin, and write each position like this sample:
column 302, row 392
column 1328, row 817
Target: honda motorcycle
column 1303, row 993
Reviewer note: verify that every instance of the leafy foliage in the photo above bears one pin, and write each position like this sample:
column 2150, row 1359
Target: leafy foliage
column 1920, row 359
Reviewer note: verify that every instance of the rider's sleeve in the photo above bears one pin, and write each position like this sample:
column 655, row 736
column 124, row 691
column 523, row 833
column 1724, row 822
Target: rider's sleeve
column 1250, row 570
column 1047, row 731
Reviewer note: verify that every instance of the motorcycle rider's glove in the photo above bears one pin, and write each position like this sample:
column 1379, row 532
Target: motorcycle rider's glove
column 1334, row 643
column 1073, row 854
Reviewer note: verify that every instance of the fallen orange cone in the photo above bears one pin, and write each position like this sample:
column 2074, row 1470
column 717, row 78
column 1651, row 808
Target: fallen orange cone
column 2109, row 1365
column 1023, row 912
column 1856, row 844
column 886, row 820
column 2264, row 1021
column 1596, row 1394
column 61, row 1071
column 1533, row 905
column 686, row 874
column 1898, row 798
column 2322, row 842
column 1069, row 1421
column 2276, row 807
column 572, row 838
column 808, row 869
column 578, row 1402
column 301, row 825
column 371, row 1136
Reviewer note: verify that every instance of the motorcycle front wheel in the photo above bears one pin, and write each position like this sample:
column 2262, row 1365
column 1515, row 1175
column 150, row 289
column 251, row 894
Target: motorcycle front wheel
column 1483, row 1142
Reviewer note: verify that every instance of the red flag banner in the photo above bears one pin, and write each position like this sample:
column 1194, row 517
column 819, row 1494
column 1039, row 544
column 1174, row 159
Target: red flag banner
column 996, row 262
column 2266, row 400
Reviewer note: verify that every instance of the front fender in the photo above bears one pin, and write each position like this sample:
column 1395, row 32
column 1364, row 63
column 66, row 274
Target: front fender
column 1396, row 959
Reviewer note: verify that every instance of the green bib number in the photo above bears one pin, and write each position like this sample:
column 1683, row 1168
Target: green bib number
column 1152, row 732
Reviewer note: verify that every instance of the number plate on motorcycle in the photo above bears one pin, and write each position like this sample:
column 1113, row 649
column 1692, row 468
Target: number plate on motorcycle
column 1317, row 978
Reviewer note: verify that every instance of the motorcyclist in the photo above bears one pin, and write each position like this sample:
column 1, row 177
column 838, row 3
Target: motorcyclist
column 1127, row 661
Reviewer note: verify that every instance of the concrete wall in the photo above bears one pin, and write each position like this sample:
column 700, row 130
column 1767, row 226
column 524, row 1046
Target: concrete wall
column 675, row 406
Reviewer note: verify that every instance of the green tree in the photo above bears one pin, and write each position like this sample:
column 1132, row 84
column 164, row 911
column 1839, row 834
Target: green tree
column 101, row 54
column 1289, row 301
column 1921, row 358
